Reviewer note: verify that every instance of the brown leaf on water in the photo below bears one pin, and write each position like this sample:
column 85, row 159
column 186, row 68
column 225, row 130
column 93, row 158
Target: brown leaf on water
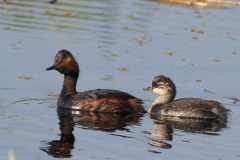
column 200, row 31
column 80, row 149
column 48, row 12
column 123, row 27
column 156, row 8
column 238, row 155
column 115, row 55
column 216, row 60
column 198, row 80
column 99, row 47
column 234, row 53
column 143, row 26
column 53, row 95
column 122, row 69
column 183, row 59
column 169, row 53
column 5, row 1
column 51, row 19
column 235, row 97
column 7, row 28
column 168, row 33
column 191, row 64
column 192, row 30
column 227, row 32
column 27, row 78
column 12, row 9
column 194, row 38
column 129, row 16
column 67, row 13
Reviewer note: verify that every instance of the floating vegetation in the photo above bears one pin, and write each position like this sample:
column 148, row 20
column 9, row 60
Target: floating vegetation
column 67, row 13
column 53, row 95
column 198, row 80
column 199, row 3
column 200, row 31
column 234, row 53
column 25, row 77
column 169, row 53
column 156, row 8
column 216, row 60
column 115, row 55
column 48, row 12
column 122, row 69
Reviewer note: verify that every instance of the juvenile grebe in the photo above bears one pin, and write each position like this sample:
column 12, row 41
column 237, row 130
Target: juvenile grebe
column 99, row 100
column 186, row 107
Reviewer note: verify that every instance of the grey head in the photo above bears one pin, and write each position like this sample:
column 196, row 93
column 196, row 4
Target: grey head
column 163, row 86
column 65, row 63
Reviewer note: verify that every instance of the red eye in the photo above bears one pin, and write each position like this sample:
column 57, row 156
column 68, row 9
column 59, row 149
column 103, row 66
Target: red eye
column 62, row 63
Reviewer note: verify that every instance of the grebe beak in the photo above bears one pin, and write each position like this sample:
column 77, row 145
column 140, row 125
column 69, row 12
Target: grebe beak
column 52, row 67
column 148, row 89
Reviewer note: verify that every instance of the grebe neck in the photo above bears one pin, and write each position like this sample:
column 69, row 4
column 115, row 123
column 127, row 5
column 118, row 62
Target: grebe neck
column 69, row 85
column 161, row 100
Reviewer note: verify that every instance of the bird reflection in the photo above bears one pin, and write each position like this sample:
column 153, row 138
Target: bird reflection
column 107, row 122
column 164, row 128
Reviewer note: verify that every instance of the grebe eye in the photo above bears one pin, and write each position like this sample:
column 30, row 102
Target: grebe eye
column 62, row 63
column 154, row 84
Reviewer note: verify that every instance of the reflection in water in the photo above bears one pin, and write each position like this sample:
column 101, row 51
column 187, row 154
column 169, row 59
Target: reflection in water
column 62, row 148
column 106, row 122
column 163, row 127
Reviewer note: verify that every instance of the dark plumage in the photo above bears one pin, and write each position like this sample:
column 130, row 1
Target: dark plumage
column 186, row 107
column 99, row 100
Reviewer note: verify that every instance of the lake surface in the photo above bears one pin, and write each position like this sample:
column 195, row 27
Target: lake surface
column 205, row 47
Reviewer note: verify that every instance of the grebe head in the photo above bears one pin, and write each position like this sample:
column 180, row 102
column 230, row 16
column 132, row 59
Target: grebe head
column 163, row 86
column 65, row 63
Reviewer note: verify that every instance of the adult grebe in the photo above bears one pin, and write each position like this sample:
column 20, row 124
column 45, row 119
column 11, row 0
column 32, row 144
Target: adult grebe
column 99, row 100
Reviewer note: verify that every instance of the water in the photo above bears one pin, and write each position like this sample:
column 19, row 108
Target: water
column 141, row 32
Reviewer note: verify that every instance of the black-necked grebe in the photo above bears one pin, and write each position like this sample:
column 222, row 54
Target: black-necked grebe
column 186, row 107
column 98, row 100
